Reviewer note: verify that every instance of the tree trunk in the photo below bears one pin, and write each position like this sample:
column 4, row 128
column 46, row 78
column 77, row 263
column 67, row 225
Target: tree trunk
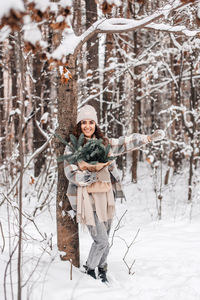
column 39, row 107
column 173, row 102
column 77, row 18
column 137, row 108
column 92, row 57
column 190, row 177
column 175, row 158
column 21, row 158
column 108, row 87
column 137, row 86
column 67, row 228
column 14, row 67
column 2, row 118
column 120, row 111
column 193, row 107
column 177, row 68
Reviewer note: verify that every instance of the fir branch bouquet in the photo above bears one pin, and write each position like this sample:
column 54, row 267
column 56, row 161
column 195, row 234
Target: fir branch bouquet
column 92, row 152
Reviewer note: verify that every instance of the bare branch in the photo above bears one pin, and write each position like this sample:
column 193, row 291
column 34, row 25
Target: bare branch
column 32, row 273
column 35, row 154
column 117, row 228
column 6, row 269
column 25, row 215
column 128, row 248
column 2, row 238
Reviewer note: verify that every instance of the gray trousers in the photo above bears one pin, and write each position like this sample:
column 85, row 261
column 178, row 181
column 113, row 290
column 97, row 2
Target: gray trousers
column 100, row 247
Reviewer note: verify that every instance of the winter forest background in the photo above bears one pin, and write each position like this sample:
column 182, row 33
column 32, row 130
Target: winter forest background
column 138, row 63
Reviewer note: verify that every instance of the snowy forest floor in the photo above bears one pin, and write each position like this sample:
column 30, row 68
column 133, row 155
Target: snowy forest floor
column 166, row 251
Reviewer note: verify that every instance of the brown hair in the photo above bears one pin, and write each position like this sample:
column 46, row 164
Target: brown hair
column 98, row 133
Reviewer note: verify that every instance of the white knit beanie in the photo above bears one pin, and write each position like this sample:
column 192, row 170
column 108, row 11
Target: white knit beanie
column 87, row 112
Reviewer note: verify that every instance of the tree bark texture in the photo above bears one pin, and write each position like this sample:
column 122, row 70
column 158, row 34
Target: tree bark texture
column 177, row 65
column 77, row 17
column 107, row 86
column 14, row 69
column 193, row 106
column 119, row 112
column 67, row 228
column 21, row 158
column 92, row 56
column 136, row 106
column 39, row 107
column 2, row 117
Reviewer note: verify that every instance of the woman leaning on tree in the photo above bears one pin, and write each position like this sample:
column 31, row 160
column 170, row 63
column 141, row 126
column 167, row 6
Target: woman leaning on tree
column 92, row 190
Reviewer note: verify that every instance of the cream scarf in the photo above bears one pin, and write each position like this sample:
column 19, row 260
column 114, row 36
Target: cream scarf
column 104, row 206
column 102, row 195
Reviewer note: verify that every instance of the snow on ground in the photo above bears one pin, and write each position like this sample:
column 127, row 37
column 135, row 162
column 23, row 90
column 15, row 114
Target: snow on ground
column 166, row 252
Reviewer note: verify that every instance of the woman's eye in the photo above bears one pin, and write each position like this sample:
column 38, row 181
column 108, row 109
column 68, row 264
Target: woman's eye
column 87, row 123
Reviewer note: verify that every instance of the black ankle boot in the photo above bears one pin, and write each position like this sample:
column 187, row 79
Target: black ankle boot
column 91, row 272
column 102, row 274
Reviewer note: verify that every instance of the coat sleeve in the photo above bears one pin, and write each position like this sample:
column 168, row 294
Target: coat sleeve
column 125, row 144
column 76, row 176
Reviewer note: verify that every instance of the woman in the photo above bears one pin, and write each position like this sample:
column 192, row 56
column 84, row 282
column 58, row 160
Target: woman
column 96, row 209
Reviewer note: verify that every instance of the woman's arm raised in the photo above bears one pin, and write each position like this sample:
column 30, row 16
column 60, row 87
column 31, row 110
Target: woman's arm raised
column 125, row 144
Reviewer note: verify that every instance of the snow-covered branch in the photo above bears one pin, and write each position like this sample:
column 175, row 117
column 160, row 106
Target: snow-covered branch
column 172, row 29
column 71, row 43
column 8, row 5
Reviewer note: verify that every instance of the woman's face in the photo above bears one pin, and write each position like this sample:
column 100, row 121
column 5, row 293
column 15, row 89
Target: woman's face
column 88, row 128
